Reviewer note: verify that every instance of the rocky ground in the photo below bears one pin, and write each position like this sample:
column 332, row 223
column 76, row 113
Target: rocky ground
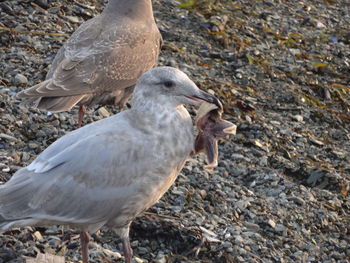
column 281, row 190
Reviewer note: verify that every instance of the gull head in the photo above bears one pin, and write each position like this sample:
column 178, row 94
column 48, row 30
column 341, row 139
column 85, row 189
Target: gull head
column 170, row 86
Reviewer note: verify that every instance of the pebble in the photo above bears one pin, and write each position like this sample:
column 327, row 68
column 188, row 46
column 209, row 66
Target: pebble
column 111, row 254
column 42, row 3
column 238, row 239
column 203, row 193
column 38, row 236
column 271, row 223
column 171, row 62
column 7, row 137
column 320, row 25
column 6, row 169
column 298, row 118
column 252, row 226
column 73, row 19
column 242, row 204
column 239, row 75
column 310, row 247
column 142, row 250
column 280, row 228
column 297, row 200
column 33, row 145
column 160, row 258
column 20, row 79
column 103, row 112
column 294, row 51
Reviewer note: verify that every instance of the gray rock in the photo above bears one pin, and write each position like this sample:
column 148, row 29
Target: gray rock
column 280, row 228
column 20, row 79
column 73, row 19
column 251, row 226
column 297, row 200
column 238, row 240
column 160, row 258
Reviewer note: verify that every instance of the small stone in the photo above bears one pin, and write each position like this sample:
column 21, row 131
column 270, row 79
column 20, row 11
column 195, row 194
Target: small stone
column 42, row 3
column 73, row 19
column 315, row 141
column 62, row 117
column 112, row 254
column 54, row 241
column 297, row 200
column 298, row 118
column 55, row 123
column 294, row 51
column 271, row 223
column 203, row 193
column 7, row 137
column 238, row 240
column 242, row 204
column 310, row 247
column 20, row 79
column 38, row 45
column 171, row 62
column 25, row 156
column 103, row 112
column 6, row 169
column 160, row 258
column 277, row 123
column 251, row 226
column 33, row 145
column 280, row 228
column 263, row 161
column 139, row 260
column 38, row 236
column 27, row 38
column 239, row 75
column 320, row 25
column 47, row 257
column 248, row 119
column 54, row 10
column 142, row 250
column 212, row 92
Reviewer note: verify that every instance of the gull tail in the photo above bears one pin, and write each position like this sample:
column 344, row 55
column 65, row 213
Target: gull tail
column 39, row 97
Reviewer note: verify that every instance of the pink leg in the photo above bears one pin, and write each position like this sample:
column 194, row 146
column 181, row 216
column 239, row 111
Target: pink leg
column 82, row 110
column 84, row 240
column 127, row 250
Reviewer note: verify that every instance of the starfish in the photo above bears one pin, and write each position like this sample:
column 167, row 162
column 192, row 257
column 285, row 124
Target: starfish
column 211, row 128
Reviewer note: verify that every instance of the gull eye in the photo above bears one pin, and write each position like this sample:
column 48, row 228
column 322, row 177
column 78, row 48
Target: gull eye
column 169, row 84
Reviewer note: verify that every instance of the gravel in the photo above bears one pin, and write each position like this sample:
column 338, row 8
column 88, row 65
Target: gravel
column 281, row 190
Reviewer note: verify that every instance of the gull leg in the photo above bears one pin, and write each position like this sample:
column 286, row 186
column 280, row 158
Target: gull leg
column 127, row 250
column 82, row 110
column 84, row 240
column 123, row 232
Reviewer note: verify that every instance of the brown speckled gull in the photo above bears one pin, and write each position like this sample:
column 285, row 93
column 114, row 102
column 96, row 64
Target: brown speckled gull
column 101, row 61
column 108, row 172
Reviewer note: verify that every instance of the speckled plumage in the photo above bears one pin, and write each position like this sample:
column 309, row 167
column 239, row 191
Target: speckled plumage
column 109, row 171
column 102, row 60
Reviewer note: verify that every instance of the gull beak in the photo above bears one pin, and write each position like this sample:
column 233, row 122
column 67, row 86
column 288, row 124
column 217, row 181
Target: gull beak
column 211, row 99
column 202, row 96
